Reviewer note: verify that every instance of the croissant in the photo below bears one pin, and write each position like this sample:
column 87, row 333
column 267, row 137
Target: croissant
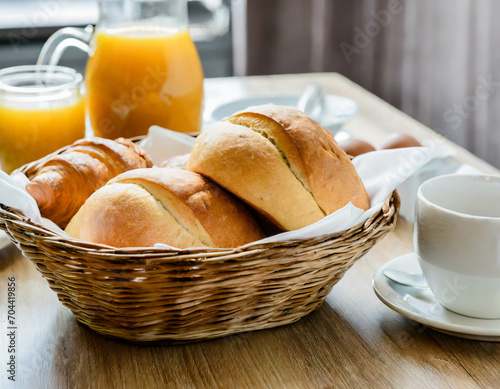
column 63, row 182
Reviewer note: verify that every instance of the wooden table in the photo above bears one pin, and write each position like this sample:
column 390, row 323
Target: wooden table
column 353, row 340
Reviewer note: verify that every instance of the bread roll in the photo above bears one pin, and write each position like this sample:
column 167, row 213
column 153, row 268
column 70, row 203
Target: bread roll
column 180, row 208
column 281, row 162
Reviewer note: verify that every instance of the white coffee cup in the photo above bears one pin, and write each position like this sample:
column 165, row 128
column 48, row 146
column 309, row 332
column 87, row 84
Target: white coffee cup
column 457, row 241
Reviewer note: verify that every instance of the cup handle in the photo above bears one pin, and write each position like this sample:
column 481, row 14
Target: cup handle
column 66, row 37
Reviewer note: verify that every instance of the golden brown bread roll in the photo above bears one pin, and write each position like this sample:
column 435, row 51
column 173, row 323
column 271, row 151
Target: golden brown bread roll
column 281, row 162
column 63, row 182
column 183, row 209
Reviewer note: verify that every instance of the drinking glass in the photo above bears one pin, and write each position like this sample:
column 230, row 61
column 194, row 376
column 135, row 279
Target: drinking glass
column 41, row 110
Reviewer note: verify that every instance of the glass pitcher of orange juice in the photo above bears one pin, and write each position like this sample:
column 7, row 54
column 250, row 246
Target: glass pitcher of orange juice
column 143, row 67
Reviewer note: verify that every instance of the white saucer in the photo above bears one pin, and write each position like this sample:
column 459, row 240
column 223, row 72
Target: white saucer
column 421, row 306
column 337, row 109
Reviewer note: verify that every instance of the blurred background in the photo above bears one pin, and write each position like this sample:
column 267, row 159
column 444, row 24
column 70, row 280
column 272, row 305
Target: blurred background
column 434, row 59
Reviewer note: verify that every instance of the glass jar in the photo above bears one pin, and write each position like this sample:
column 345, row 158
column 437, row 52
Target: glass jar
column 41, row 110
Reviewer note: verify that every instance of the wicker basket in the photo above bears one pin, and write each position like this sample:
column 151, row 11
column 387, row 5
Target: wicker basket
column 153, row 294
column 175, row 296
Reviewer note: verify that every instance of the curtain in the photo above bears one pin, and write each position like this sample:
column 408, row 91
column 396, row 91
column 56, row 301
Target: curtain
column 434, row 59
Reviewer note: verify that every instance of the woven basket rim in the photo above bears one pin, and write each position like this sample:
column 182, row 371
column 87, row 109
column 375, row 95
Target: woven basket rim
column 32, row 228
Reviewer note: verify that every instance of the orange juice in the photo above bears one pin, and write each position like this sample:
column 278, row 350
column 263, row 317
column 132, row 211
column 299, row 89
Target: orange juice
column 27, row 134
column 141, row 75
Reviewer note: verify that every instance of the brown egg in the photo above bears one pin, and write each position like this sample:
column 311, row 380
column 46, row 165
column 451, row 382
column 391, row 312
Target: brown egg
column 398, row 141
column 355, row 147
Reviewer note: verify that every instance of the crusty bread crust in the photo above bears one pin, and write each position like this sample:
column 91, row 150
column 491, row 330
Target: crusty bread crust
column 249, row 166
column 332, row 177
column 281, row 162
column 146, row 206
